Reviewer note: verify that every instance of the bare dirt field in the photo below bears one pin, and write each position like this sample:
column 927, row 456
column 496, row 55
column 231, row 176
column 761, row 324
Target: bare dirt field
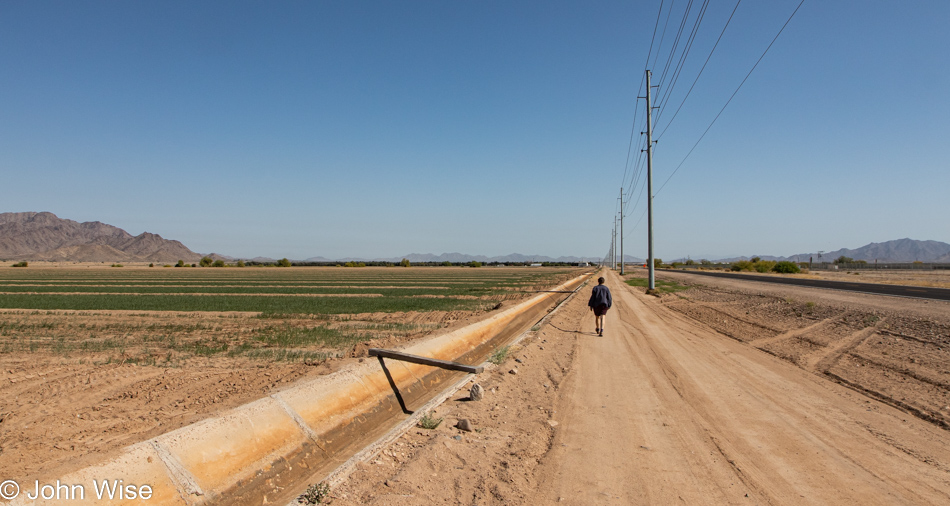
column 934, row 278
column 78, row 385
column 937, row 278
column 724, row 393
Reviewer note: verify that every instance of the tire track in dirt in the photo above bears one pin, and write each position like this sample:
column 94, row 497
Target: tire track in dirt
column 823, row 361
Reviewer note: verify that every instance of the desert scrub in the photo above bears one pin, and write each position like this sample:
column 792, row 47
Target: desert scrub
column 429, row 422
column 316, row 494
column 499, row 355
column 786, row 267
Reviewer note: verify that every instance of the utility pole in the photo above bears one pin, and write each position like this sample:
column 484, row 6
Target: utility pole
column 613, row 246
column 621, row 230
column 652, row 285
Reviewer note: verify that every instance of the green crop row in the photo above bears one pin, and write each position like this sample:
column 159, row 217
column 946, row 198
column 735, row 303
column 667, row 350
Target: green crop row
column 265, row 304
column 386, row 292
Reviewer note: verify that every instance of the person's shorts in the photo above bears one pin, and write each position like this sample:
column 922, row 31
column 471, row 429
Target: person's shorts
column 600, row 309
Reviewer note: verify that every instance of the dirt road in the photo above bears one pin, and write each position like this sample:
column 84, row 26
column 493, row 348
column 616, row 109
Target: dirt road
column 661, row 410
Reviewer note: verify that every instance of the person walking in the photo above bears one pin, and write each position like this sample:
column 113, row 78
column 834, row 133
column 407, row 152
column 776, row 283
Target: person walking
column 600, row 301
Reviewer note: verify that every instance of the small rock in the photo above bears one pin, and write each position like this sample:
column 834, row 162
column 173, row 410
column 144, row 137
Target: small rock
column 465, row 424
column 518, row 360
column 513, row 371
column 553, row 423
column 457, row 438
column 476, row 392
column 545, row 385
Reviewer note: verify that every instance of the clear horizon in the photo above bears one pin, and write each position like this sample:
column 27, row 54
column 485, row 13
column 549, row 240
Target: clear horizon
column 368, row 130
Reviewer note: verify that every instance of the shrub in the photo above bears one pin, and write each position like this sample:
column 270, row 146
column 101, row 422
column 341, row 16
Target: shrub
column 474, row 263
column 447, row 263
column 21, row 264
column 657, row 263
column 218, row 263
column 151, row 265
column 168, row 265
column 283, row 262
column 499, row 355
column 181, row 263
column 786, row 268
column 743, row 265
column 316, row 493
column 404, row 262
column 206, row 261
column 844, row 260
column 118, row 265
column 764, row 266
column 429, row 422
column 755, row 260
column 240, row 263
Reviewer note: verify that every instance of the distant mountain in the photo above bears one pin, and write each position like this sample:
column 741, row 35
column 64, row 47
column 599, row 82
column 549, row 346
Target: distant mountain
column 510, row 258
column 44, row 236
column 899, row 250
column 464, row 258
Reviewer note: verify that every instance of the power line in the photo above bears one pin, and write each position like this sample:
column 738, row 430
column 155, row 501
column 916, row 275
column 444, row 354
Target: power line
column 663, row 35
column 633, row 127
column 678, row 70
column 676, row 42
column 730, row 99
column 700, row 70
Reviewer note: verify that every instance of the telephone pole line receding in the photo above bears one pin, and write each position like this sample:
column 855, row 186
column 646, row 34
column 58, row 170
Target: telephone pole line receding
column 652, row 285
column 613, row 242
column 621, row 230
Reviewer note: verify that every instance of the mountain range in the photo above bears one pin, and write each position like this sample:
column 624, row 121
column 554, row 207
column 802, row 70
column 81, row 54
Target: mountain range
column 44, row 236
column 899, row 250
column 462, row 257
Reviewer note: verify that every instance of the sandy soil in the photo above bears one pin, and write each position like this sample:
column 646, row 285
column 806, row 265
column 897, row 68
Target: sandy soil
column 695, row 400
column 64, row 406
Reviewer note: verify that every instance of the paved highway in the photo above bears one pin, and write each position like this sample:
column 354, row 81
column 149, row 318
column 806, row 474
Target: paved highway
column 921, row 292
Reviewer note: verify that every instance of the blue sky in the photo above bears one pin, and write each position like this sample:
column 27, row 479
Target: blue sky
column 377, row 129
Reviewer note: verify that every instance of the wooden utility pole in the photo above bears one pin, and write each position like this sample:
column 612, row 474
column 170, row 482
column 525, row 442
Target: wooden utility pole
column 621, row 230
column 652, row 284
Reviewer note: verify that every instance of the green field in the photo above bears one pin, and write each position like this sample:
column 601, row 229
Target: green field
column 169, row 317
column 270, row 290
